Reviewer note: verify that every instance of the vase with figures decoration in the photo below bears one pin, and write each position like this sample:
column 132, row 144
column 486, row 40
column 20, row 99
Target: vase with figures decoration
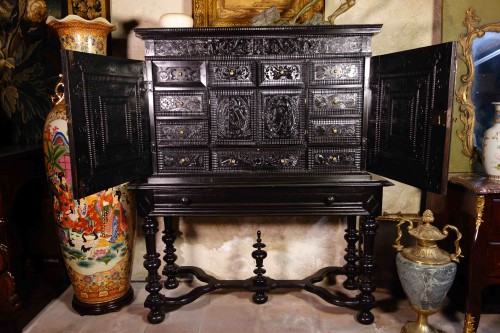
column 96, row 232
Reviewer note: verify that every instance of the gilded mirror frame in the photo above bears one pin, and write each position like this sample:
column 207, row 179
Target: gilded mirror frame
column 463, row 94
column 227, row 13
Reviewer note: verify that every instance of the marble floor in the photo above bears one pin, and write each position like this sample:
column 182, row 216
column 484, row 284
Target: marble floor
column 222, row 312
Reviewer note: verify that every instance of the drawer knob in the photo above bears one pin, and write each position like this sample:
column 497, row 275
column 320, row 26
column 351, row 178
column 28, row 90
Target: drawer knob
column 335, row 130
column 232, row 72
column 329, row 200
column 179, row 73
column 181, row 132
column 333, row 159
column 180, row 103
column 185, row 201
column 336, row 101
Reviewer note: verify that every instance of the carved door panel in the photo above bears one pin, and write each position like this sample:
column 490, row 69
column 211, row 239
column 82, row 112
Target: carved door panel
column 108, row 121
column 410, row 118
column 233, row 117
column 282, row 117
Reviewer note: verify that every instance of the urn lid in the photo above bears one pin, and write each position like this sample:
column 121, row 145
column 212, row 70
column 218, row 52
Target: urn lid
column 426, row 250
column 425, row 230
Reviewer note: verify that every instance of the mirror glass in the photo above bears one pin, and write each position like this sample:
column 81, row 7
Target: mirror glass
column 486, row 86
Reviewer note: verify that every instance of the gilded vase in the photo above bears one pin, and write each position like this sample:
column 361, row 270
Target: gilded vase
column 96, row 232
column 426, row 272
column 491, row 147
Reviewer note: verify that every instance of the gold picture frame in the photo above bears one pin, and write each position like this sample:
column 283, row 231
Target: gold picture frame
column 88, row 10
column 230, row 13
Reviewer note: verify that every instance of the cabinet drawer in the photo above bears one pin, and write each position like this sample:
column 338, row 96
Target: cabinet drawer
column 282, row 73
column 263, row 199
column 259, row 160
column 493, row 256
column 334, row 159
column 232, row 73
column 327, row 102
column 233, row 117
column 181, row 132
column 337, row 71
column 179, row 74
column 345, row 131
column 182, row 160
column 182, row 104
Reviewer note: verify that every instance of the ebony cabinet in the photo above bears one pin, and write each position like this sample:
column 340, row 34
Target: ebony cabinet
column 260, row 120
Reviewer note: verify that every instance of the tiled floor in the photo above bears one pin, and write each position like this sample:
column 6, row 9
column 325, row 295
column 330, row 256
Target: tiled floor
column 222, row 312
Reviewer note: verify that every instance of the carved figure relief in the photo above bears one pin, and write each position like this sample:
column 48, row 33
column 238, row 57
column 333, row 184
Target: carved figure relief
column 234, row 117
column 280, row 117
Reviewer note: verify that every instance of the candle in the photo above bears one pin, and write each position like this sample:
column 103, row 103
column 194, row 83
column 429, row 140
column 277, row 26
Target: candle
column 173, row 20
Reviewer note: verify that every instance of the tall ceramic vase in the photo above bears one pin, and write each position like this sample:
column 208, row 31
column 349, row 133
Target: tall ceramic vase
column 97, row 232
column 491, row 147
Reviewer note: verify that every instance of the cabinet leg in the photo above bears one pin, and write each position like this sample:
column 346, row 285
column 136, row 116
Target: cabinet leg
column 170, row 269
column 351, row 257
column 152, row 262
column 473, row 302
column 367, row 267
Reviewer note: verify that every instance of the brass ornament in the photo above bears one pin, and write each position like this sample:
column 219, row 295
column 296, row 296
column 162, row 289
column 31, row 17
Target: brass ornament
column 479, row 211
column 58, row 97
column 469, row 324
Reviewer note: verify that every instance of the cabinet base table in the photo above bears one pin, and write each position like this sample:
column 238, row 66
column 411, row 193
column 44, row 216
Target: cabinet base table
column 350, row 198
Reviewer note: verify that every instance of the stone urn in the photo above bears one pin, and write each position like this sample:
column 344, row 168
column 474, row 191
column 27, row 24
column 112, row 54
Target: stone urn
column 426, row 272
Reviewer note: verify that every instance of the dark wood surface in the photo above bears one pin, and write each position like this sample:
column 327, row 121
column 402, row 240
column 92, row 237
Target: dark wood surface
column 472, row 204
column 31, row 269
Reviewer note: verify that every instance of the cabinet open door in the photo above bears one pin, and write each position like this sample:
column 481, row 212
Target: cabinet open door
column 108, row 121
column 410, row 116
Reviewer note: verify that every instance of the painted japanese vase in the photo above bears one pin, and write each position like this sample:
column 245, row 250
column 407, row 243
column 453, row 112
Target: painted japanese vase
column 96, row 232
column 491, row 147
column 426, row 272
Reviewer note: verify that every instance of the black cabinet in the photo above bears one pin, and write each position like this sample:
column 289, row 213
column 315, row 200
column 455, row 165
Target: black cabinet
column 261, row 120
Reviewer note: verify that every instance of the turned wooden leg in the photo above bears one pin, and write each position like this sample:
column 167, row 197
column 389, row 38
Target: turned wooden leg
column 351, row 257
column 152, row 262
column 367, row 267
column 170, row 269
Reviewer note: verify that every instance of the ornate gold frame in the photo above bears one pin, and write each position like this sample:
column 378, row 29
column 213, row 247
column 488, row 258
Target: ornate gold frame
column 219, row 13
column 463, row 94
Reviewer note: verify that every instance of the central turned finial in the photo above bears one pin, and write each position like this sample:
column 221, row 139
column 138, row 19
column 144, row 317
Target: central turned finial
column 259, row 279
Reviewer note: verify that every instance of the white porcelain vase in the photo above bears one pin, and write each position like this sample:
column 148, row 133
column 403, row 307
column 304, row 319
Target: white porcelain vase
column 491, row 147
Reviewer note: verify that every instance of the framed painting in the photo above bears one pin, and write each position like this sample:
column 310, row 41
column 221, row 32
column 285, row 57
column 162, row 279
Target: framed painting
column 88, row 9
column 227, row 13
